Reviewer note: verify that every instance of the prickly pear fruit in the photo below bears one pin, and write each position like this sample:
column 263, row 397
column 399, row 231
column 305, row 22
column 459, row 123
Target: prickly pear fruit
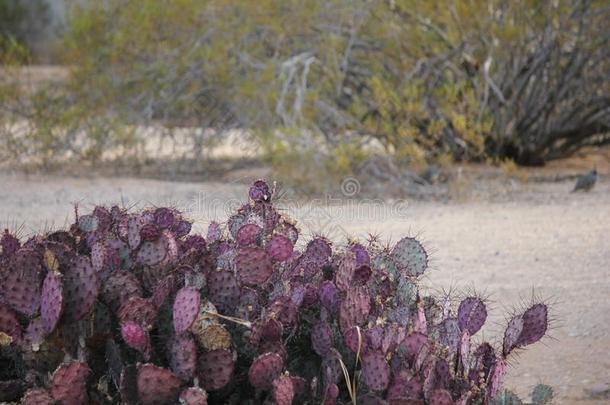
column 253, row 266
column 375, row 370
column 193, row 396
column 80, row 286
column 183, row 356
column 471, row 314
column 186, row 308
column 283, row 390
column 410, row 257
column 264, row 369
column 69, row 383
column 216, row 369
column 157, row 385
column 51, row 301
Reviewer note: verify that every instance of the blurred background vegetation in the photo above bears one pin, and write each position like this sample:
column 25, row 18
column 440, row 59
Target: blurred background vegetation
column 320, row 89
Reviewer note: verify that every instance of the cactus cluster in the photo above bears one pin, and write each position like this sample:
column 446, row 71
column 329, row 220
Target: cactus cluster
column 130, row 307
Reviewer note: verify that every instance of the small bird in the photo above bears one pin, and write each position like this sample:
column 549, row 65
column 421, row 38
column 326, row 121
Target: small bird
column 586, row 182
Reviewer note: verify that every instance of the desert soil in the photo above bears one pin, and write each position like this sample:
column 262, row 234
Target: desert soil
column 536, row 237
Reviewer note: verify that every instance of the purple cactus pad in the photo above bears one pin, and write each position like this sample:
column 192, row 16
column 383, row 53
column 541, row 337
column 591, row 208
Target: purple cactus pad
column 216, row 369
column 472, row 314
column 279, row 248
column 157, row 385
column 186, row 308
column 264, row 369
column 259, row 191
column 52, row 299
column 375, row 370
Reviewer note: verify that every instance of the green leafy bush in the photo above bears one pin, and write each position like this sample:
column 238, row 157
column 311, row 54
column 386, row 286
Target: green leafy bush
column 345, row 82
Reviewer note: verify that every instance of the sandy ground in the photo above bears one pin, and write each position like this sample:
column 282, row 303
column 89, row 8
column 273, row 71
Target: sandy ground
column 536, row 236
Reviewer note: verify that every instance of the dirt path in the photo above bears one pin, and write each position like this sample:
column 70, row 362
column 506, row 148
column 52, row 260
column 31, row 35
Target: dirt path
column 538, row 236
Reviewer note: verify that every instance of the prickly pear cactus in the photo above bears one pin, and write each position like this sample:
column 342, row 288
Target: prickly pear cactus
column 80, row 288
column 410, row 257
column 265, row 368
column 186, row 308
column 69, row 383
column 248, row 313
column 216, row 369
column 52, row 300
column 21, row 282
column 253, row 266
column 183, row 356
column 375, row 370
column 157, row 385
column 471, row 315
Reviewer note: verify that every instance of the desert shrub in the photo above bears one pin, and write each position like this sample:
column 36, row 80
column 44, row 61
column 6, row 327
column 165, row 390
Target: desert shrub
column 131, row 307
column 411, row 81
column 22, row 22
